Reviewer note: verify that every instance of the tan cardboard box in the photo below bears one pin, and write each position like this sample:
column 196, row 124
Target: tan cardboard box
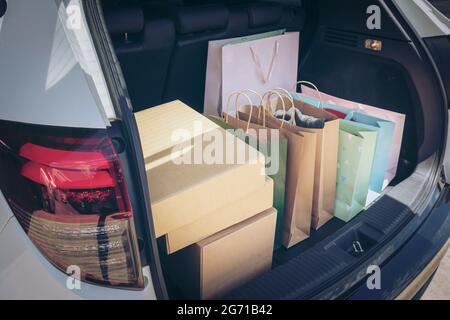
column 244, row 208
column 156, row 126
column 184, row 185
column 213, row 267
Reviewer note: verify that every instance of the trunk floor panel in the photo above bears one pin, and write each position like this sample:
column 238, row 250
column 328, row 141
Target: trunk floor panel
column 283, row 255
column 298, row 271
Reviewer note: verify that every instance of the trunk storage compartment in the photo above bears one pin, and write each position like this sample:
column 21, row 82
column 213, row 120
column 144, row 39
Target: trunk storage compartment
column 162, row 70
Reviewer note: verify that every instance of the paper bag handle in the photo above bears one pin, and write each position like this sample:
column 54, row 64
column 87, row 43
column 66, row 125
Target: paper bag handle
column 315, row 87
column 289, row 96
column 237, row 94
column 268, row 94
column 251, row 105
column 286, row 94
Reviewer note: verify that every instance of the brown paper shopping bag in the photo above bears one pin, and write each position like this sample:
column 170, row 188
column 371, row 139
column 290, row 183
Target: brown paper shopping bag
column 325, row 161
column 270, row 144
column 300, row 175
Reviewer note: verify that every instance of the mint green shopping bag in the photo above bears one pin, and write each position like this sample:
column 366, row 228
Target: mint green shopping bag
column 355, row 158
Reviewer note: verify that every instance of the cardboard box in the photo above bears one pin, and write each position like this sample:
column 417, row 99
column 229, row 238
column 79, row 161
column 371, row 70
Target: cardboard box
column 238, row 211
column 183, row 192
column 156, row 126
column 213, row 267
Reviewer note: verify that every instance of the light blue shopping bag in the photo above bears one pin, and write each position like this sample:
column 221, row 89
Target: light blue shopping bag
column 385, row 133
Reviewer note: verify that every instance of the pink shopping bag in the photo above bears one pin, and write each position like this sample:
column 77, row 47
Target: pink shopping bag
column 397, row 118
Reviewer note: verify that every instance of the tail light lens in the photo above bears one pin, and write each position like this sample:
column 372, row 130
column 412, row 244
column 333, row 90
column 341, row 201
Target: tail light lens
column 67, row 190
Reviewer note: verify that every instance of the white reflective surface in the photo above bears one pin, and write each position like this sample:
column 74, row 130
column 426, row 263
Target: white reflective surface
column 49, row 74
column 425, row 18
column 26, row 274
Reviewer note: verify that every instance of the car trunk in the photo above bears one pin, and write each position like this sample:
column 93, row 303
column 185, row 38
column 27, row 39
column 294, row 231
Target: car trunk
column 165, row 59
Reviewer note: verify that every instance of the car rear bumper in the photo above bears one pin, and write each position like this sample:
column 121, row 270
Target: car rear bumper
column 422, row 279
column 416, row 261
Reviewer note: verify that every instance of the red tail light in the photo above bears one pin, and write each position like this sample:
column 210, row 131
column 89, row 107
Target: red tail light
column 67, row 190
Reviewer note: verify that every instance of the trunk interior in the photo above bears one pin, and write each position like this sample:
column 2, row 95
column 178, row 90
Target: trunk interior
column 162, row 48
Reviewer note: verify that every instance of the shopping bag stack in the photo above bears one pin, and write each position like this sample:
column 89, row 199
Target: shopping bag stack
column 397, row 118
column 267, row 142
column 205, row 184
column 369, row 146
column 329, row 140
column 261, row 168
column 326, row 156
column 300, row 168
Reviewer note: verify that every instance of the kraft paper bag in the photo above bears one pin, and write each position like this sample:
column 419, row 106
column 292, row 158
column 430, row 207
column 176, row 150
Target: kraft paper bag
column 260, row 65
column 270, row 151
column 385, row 132
column 270, row 144
column 213, row 83
column 300, row 177
column 326, row 162
column 356, row 151
column 397, row 118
